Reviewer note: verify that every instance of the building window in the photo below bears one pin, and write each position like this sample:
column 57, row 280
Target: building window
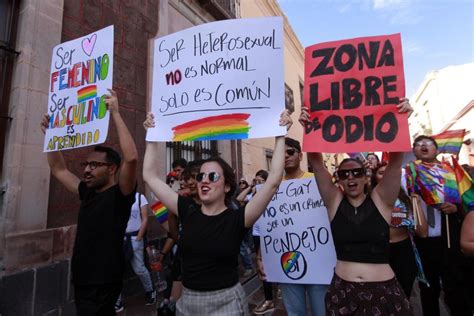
column 289, row 99
column 268, row 157
column 190, row 151
column 301, row 92
column 8, row 25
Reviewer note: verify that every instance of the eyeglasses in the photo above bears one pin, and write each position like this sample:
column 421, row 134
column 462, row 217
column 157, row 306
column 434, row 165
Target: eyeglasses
column 345, row 173
column 425, row 143
column 243, row 182
column 94, row 164
column 290, row 151
column 212, row 176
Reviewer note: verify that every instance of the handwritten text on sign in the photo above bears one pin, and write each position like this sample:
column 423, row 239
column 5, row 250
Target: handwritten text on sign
column 295, row 235
column 351, row 89
column 81, row 73
column 219, row 80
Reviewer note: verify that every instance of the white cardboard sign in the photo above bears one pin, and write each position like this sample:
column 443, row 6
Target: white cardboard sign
column 295, row 236
column 220, row 80
column 81, row 73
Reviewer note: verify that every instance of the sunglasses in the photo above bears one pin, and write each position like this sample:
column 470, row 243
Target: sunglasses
column 345, row 173
column 94, row 164
column 290, row 151
column 212, row 176
column 425, row 143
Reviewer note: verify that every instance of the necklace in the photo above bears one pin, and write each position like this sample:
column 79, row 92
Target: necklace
column 355, row 210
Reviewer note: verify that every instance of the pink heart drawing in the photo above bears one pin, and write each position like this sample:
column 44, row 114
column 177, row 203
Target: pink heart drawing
column 88, row 44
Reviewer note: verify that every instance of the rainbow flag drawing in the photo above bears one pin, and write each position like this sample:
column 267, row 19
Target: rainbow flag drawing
column 289, row 259
column 160, row 211
column 86, row 93
column 450, row 142
column 465, row 186
column 227, row 126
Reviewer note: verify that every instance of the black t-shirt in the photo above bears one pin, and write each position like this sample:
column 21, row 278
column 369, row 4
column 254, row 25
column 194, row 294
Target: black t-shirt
column 98, row 254
column 209, row 246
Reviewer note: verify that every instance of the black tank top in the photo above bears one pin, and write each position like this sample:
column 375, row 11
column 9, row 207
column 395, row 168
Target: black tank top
column 360, row 234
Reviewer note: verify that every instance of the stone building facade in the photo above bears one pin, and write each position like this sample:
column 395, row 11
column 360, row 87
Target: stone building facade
column 37, row 215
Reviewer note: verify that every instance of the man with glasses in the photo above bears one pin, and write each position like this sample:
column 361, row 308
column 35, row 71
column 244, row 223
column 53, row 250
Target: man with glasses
column 294, row 295
column 107, row 192
column 441, row 262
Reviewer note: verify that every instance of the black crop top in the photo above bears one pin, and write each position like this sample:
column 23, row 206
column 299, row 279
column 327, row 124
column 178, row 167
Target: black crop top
column 360, row 234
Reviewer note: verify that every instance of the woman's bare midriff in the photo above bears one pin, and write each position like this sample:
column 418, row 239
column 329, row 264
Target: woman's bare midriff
column 363, row 272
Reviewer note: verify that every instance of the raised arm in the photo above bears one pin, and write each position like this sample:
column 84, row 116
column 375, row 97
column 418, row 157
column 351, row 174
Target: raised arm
column 58, row 165
column 259, row 202
column 128, row 170
column 150, row 173
column 330, row 193
column 389, row 187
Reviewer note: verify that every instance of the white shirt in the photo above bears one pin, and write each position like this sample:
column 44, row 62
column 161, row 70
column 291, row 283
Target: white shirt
column 135, row 220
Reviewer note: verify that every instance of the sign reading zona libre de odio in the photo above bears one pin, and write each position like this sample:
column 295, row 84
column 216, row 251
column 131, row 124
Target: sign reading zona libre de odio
column 352, row 88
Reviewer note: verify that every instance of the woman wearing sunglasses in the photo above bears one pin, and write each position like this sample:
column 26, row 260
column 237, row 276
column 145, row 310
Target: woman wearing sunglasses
column 212, row 232
column 363, row 282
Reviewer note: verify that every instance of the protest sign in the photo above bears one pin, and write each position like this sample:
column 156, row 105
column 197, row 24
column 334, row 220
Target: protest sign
column 295, row 235
column 220, row 80
column 352, row 88
column 81, row 73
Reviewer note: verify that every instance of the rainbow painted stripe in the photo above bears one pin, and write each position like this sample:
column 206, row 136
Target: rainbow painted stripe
column 160, row 211
column 227, row 126
column 86, row 93
column 450, row 142
column 289, row 259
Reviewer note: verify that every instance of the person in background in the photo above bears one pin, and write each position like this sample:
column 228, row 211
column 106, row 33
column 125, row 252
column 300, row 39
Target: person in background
column 212, row 232
column 373, row 161
column 107, row 192
column 267, row 305
column 172, row 295
column 134, row 248
column 404, row 258
column 442, row 265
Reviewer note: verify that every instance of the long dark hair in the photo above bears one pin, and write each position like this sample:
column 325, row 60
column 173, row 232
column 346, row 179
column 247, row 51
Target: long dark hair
column 402, row 195
column 229, row 178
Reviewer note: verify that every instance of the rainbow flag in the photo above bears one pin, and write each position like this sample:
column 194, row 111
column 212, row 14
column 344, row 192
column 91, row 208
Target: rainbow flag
column 86, row 93
column 450, row 142
column 160, row 211
column 465, row 186
column 434, row 182
column 227, row 126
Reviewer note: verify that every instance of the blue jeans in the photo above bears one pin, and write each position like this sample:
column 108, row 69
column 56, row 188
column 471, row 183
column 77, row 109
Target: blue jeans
column 246, row 252
column 138, row 265
column 294, row 298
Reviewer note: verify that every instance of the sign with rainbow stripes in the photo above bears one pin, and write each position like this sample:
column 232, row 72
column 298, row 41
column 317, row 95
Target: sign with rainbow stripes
column 220, row 80
column 295, row 235
column 81, row 73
